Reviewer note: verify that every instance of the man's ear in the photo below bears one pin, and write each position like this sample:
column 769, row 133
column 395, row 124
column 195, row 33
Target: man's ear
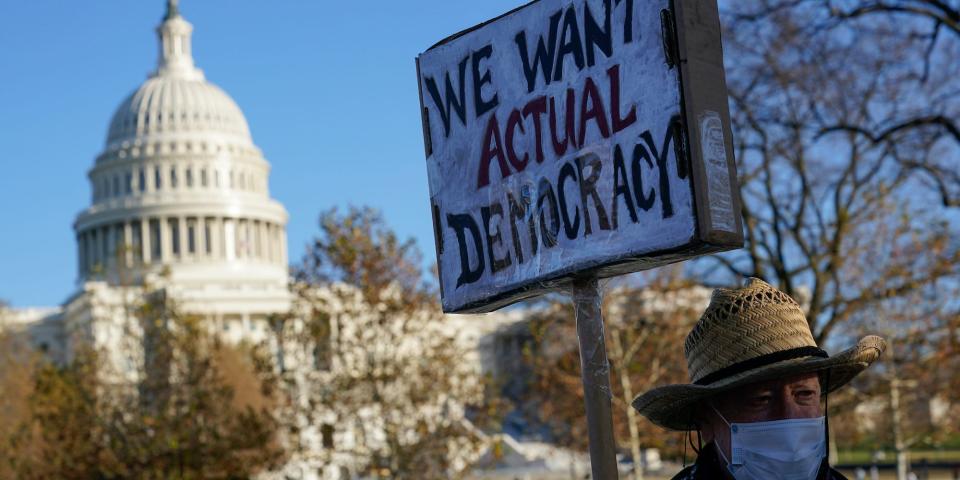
column 698, row 415
column 703, row 419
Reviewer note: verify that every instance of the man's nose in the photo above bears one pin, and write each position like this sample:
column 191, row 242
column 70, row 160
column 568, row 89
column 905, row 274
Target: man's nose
column 788, row 408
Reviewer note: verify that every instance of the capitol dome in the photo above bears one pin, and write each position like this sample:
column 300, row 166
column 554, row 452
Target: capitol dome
column 169, row 104
column 177, row 99
column 180, row 186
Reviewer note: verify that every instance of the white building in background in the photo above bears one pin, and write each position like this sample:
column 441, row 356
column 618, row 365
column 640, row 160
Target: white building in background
column 180, row 191
column 181, row 183
column 180, row 202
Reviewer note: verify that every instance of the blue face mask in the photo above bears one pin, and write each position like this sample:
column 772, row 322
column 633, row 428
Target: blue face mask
column 785, row 449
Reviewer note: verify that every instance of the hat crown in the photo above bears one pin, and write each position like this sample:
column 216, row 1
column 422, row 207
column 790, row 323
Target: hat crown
column 742, row 324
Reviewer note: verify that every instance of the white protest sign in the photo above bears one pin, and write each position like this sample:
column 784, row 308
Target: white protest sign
column 562, row 139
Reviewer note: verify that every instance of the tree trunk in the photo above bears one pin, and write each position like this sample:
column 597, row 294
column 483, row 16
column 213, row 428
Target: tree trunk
column 634, row 432
column 627, row 385
column 833, row 456
column 899, row 444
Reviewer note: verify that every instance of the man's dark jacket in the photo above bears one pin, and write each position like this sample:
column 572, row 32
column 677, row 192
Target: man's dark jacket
column 710, row 466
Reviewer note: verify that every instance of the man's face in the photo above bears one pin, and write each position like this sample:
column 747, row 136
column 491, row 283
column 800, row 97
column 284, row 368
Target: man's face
column 780, row 399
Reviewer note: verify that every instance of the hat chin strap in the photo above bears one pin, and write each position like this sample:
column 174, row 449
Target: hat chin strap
column 826, row 416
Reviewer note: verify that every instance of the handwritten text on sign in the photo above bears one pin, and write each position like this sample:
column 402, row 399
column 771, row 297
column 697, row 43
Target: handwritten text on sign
column 552, row 147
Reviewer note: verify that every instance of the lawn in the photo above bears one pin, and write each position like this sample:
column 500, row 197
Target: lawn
column 865, row 457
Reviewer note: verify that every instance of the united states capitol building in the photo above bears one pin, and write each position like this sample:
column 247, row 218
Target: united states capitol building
column 180, row 194
column 180, row 202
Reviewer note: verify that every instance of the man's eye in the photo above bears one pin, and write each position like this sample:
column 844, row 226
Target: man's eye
column 806, row 393
column 760, row 401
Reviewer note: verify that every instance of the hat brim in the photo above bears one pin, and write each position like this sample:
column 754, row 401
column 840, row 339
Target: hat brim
column 672, row 406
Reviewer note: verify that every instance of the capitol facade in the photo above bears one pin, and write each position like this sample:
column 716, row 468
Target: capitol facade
column 180, row 204
column 181, row 201
column 181, row 185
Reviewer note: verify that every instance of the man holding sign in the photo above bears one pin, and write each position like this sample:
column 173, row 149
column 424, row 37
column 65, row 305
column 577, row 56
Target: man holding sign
column 571, row 140
column 757, row 381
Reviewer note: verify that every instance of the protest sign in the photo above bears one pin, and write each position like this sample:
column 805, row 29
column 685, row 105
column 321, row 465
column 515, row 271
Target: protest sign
column 576, row 137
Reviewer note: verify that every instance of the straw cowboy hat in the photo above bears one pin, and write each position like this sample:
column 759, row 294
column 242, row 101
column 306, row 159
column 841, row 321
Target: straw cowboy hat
column 747, row 335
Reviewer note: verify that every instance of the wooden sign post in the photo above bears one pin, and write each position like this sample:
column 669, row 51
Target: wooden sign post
column 595, row 375
column 573, row 140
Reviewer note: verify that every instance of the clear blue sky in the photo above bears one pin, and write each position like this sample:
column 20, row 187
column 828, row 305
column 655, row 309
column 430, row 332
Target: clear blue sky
column 329, row 89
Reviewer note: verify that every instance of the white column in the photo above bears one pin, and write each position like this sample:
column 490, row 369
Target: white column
column 224, row 244
column 252, row 239
column 259, row 243
column 148, row 171
column 283, row 248
column 182, row 230
column 108, row 256
column 241, row 238
column 145, row 240
column 250, row 231
column 267, row 226
column 227, row 233
column 106, row 239
column 212, row 237
column 166, row 244
column 115, row 244
column 91, row 257
column 201, row 236
column 127, row 244
column 268, row 239
column 91, row 250
column 216, row 238
column 102, row 248
column 248, row 238
column 280, row 245
column 274, row 244
column 229, row 239
column 81, row 255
